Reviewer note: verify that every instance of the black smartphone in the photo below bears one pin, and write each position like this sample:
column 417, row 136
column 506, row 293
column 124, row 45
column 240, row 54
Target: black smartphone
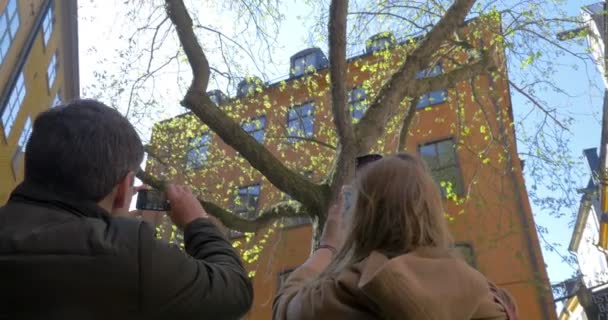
column 348, row 199
column 152, row 200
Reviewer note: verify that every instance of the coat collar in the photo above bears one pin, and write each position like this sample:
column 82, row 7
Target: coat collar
column 38, row 194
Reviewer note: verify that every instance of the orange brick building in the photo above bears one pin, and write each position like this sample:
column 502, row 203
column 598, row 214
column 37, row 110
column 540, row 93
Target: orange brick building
column 464, row 133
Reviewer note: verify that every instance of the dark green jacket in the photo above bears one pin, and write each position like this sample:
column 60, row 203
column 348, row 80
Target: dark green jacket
column 63, row 259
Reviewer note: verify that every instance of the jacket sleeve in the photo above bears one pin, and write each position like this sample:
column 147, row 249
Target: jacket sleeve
column 290, row 288
column 210, row 282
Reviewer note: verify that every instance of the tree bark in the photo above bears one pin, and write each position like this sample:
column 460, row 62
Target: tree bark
column 344, row 166
column 405, row 126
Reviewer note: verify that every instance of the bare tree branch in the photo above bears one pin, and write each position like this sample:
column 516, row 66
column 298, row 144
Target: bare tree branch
column 371, row 126
column 311, row 195
column 405, row 126
column 538, row 105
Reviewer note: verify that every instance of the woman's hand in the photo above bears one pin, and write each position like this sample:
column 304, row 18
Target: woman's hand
column 333, row 231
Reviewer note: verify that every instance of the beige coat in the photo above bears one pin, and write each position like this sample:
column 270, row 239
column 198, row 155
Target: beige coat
column 427, row 284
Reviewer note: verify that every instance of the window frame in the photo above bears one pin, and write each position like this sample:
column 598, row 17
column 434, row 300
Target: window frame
column 13, row 105
column 51, row 70
column 473, row 256
column 353, row 102
column 202, row 144
column 254, row 129
column 299, row 120
column 10, row 34
column 245, row 212
column 300, row 69
column 57, row 100
column 428, row 99
column 456, row 165
column 24, row 137
column 48, row 26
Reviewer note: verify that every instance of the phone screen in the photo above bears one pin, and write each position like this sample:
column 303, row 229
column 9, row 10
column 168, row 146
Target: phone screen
column 152, row 200
column 348, row 199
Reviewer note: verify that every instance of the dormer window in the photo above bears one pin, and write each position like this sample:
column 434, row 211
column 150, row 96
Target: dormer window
column 307, row 61
column 379, row 42
column 217, row 97
column 248, row 86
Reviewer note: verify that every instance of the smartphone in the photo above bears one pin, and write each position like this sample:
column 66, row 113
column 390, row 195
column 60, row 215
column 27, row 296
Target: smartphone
column 348, row 199
column 152, row 200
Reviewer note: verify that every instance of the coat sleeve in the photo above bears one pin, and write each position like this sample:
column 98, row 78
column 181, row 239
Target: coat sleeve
column 290, row 288
column 210, row 281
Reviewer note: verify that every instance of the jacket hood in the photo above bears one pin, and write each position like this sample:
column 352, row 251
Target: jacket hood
column 428, row 283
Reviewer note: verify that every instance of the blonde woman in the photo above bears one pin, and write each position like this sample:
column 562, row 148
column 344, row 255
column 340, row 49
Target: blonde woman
column 396, row 260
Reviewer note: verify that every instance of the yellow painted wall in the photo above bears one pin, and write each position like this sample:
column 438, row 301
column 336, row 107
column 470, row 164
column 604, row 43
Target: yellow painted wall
column 38, row 96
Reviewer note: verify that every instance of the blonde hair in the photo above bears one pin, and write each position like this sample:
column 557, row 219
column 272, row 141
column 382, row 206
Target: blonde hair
column 398, row 208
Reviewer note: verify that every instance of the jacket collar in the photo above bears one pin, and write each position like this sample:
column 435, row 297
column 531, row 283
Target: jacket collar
column 38, row 194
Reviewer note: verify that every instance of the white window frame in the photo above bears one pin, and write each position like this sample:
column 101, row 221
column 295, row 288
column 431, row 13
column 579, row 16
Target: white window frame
column 51, row 70
column 13, row 105
column 47, row 26
column 9, row 21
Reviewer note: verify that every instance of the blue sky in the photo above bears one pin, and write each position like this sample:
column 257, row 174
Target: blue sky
column 100, row 24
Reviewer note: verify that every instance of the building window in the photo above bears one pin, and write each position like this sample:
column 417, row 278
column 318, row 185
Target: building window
column 51, row 71
column 249, row 86
column 57, row 100
column 357, row 103
column 246, row 204
column 433, row 97
column 441, row 159
column 467, row 253
column 300, row 122
column 217, row 97
column 21, row 144
column 256, row 128
column 282, row 278
column 304, row 64
column 13, row 105
column 379, row 42
column 198, row 151
column 47, row 26
column 9, row 24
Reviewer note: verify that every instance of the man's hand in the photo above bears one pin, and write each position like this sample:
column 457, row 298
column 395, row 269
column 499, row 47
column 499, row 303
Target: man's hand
column 185, row 208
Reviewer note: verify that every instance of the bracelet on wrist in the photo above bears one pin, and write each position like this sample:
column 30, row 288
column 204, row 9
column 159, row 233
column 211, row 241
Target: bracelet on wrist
column 331, row 248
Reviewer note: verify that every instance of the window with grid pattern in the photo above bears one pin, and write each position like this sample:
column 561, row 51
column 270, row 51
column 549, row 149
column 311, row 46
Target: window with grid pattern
column 246, row 204
column 256, row 128
column 433, row 97
column 300, row 122
column 304, row 64
column 197, row 153
column 51, row 71
column 21, row 144
column 9, row 25
column 441, row 159
column 47, row 26
column 13, row 105
column 357, row 103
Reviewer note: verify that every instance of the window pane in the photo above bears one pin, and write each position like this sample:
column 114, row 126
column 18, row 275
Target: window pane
column 423, row 101
column 3, row 24
column 449, row 179
column 429, row 155
column 437, row 96
column 446, row 153
column 467, row 253
column 14, row 25
column 11, row 7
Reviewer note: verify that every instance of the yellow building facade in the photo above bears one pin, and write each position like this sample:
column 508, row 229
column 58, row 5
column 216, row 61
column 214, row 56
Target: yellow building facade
column 38, row 70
